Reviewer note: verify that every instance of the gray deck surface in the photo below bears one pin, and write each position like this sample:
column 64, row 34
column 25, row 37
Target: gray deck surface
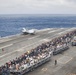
column 66, row 64
column 17, row 45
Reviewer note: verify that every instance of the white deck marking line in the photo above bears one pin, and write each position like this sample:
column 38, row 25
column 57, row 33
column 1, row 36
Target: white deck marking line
column 66, row 61
column 28, row 45
column 34, row 37
column 44, row 29
column 54, row 31
column 65, row 31
column 54, row 35
column 45, row 40
column 69, row 59
column 7, row 54
column 6, row 46
column 4, row 40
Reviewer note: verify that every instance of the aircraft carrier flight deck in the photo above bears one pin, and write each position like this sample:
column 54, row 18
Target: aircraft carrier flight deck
column 15, row 46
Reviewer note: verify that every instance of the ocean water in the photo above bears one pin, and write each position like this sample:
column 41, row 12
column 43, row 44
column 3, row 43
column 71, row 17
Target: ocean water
column 12, row 24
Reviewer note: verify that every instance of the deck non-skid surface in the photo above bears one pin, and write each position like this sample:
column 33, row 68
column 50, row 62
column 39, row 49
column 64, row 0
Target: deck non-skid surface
column 66, row 65
column 16, row 46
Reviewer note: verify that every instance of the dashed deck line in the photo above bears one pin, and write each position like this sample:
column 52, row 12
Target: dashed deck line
column 64, row 59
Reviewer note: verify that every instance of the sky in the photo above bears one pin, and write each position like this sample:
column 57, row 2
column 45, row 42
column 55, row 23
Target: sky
column 37, row 6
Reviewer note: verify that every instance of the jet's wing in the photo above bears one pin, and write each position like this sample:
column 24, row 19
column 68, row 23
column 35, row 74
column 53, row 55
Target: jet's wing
column 31, row 31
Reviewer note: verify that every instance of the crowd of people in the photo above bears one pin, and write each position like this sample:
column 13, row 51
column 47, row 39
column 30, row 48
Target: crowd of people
column 36, row 54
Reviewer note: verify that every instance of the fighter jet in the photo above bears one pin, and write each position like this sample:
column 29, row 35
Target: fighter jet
column 26, row 31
